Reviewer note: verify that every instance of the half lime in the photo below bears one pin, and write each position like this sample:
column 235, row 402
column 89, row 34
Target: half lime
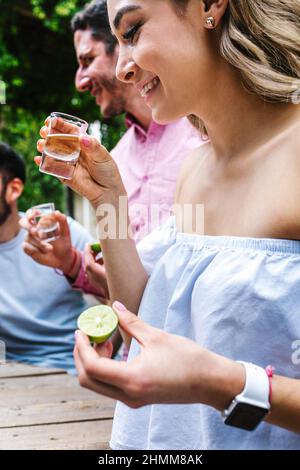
column 96, row 247
column 98, row 323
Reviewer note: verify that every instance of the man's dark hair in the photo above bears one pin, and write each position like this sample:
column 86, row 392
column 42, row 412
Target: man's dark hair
column 11, row 164
column 94, row 16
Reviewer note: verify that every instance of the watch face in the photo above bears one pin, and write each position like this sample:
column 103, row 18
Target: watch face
column 246, row 416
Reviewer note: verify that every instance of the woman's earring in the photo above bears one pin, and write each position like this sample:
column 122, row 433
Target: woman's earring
column 210, row 22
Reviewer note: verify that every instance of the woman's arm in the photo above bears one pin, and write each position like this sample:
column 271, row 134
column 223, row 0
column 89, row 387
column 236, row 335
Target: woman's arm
column 187, row 374
column 97, row 178
column 285, row 409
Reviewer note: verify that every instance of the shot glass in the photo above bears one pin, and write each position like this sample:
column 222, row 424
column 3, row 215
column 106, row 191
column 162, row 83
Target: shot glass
column 62, row 149
column 46, row 224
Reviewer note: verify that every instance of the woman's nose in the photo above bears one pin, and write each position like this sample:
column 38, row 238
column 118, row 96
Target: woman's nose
column 126, row 69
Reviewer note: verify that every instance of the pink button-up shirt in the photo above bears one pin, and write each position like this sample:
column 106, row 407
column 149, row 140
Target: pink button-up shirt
column 149, row 164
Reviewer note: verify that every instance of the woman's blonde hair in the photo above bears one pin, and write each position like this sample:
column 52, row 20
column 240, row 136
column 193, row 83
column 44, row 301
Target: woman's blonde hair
column 261, row 38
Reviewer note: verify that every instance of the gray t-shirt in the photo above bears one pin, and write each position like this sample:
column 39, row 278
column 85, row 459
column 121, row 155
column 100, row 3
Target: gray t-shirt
column 38, row 307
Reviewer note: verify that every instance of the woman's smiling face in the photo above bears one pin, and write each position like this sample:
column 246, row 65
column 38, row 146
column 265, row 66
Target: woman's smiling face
column 162, row 53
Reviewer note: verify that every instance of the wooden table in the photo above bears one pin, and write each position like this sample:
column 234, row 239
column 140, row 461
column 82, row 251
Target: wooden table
column 47, row 409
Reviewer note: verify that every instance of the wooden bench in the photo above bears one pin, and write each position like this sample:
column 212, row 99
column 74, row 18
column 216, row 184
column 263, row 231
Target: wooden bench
column 47, row 409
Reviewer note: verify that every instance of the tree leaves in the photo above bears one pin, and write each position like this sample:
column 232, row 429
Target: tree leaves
column 38, row 65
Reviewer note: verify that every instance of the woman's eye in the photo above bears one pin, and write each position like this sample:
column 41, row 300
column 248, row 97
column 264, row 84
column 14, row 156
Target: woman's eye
column 131, row 33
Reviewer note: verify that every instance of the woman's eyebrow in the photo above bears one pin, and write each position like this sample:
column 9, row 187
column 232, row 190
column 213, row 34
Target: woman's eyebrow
column 123, row 12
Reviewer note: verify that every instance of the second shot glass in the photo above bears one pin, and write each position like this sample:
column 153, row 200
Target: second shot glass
column 45, row 221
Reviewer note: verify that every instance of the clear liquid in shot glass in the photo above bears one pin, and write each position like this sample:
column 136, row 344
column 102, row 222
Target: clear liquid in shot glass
column 60, row 155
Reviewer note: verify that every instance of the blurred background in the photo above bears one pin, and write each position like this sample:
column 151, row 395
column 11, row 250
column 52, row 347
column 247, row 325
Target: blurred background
column 37, row 70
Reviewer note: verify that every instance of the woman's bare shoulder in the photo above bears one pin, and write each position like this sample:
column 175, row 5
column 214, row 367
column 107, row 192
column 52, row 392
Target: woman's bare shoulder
column 290, row 184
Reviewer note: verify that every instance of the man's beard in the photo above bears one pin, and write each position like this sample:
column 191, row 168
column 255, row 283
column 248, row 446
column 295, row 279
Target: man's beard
column 115, row 109
column 117, row 105
column 5, row 209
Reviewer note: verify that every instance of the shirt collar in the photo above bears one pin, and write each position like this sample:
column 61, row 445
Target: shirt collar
column 154, row 127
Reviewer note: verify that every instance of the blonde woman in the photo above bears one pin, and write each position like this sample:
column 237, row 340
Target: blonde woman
column 233, row 290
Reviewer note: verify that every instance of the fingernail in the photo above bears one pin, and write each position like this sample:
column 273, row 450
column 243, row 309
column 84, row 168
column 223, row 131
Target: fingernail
column 53, row 122
column 76, row 333
column 119, row 306
column 86, row 141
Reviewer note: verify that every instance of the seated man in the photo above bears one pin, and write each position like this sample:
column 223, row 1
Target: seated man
column 38, row 307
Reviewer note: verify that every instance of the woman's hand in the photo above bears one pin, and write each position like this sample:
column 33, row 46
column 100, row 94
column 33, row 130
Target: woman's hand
column 169, row 369
column 172, row 369
column 96, row 175
column 97, row 178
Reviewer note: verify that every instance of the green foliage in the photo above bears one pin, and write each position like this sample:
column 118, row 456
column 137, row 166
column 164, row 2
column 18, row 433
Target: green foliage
column 22, row 135
column 38, row 65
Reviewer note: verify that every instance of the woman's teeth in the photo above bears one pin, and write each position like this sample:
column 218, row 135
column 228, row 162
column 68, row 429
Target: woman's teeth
column 149, row 86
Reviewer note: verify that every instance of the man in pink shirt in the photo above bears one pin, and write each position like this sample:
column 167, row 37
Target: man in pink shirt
column 149, row 161
column 149, row 155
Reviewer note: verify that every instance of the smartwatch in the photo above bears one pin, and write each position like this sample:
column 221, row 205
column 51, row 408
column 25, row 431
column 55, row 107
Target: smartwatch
column 250, row 407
